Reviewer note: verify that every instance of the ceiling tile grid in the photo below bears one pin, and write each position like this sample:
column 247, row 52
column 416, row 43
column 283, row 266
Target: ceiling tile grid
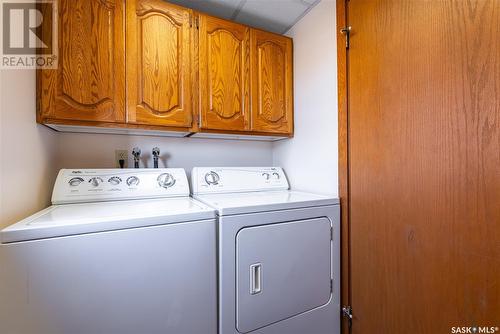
column 273, row 15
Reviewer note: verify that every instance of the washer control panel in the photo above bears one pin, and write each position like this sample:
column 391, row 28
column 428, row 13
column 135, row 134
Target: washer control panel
column 95, row 185
column 209, row 180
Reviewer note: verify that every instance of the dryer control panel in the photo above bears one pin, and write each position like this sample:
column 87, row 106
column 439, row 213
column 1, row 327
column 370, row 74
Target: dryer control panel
column 212, row 180
column 96, row 185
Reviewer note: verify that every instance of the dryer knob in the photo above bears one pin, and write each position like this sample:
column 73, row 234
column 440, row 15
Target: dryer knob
column 212, row 178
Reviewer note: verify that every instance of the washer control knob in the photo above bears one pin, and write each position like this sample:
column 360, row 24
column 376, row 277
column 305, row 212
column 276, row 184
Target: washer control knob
column 74, row 182
column 276, row 176
column 266, row 176
column 212, row 178
column 133, row 181
column 115, row 180
column 166, row 180
column 95, row 181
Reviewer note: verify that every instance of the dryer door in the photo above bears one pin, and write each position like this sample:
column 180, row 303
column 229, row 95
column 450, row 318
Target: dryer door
column 282, row 270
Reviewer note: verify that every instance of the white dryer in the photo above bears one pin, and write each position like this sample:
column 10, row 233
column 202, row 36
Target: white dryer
column 120, row 251
column 279, row 252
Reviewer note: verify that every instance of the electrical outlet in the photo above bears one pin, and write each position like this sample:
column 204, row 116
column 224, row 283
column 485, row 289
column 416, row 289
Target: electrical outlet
column 121, row 155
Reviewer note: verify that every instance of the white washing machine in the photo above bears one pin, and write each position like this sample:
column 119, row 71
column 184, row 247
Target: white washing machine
column 120, row 251
column 279, row 252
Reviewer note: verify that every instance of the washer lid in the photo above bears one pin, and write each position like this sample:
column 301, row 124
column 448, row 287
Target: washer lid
column 241, row 203
column 72, row 219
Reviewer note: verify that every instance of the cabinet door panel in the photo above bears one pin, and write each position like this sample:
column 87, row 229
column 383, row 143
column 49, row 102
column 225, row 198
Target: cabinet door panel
column 89, row 82
column 224, row 74
column 272, row 91
column 158, row 64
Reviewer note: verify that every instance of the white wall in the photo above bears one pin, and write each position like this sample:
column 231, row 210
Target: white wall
column 311, row 157
column 98, row 151
column 28, row 151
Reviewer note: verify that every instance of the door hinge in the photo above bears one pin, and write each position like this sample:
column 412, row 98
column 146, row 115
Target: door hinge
column 347, row 32
column 347, row 313
column 197, row 21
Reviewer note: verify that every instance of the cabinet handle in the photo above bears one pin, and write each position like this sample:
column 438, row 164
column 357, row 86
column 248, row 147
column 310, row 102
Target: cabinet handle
column 255, row 278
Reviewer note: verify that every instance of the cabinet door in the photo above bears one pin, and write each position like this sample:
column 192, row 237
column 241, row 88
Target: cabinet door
column 224, row 74
column 158, row 64
column 272, row 91
column 89, row 82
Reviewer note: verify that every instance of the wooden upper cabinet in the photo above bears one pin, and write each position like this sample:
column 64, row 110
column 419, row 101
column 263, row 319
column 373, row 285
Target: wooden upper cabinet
column 272, row 91
column 150, row 64
column 158, row 64
column 224, row 67
column 89, row 84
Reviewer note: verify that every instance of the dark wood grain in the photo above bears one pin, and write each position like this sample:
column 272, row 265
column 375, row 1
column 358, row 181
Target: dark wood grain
column 424, row 165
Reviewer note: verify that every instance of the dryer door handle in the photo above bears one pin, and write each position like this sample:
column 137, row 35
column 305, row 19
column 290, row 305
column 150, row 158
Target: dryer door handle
column 255, row 278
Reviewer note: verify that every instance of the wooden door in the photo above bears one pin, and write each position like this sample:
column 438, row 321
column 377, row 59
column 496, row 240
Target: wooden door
column 224, row 83
column 424, row 165
column 272, row 91
column 158, row 64
column 89, row 82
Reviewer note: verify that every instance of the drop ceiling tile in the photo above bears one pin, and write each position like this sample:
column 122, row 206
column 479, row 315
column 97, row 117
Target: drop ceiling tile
column 219, row 8
column 311, row 2
column 273, row 15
